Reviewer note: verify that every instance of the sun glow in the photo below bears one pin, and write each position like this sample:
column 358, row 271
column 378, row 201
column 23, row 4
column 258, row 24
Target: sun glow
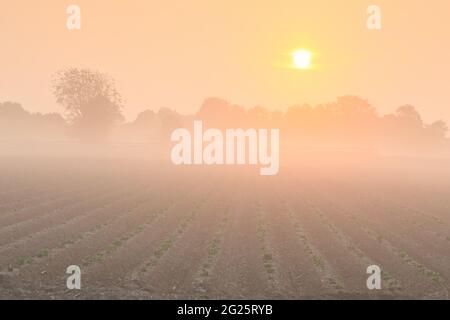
column 302, row 59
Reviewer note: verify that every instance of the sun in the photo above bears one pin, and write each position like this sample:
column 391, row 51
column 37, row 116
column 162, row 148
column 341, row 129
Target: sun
column 302, row 59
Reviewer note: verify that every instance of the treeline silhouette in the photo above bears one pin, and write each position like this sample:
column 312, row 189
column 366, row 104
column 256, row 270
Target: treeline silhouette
column 18, row 124
column 348, row 122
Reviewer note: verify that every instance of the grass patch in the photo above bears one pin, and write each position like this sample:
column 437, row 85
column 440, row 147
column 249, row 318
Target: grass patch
column 267, row 257
column 317, row 260
column 269, row 268
column 43, row 253
column 20, row 261
column 165, row 245
column 213, row 249
column 117, row 243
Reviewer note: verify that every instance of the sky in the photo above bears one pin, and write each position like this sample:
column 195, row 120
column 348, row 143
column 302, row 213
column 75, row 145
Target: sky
column 177, row 53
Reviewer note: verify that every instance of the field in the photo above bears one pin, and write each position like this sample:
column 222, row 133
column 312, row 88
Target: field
column 154, row 231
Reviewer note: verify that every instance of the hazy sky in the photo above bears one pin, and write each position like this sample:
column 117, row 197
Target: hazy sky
column 176, row 53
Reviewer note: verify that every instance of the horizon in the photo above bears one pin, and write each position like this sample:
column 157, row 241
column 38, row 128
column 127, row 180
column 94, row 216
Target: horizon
column 231, row 103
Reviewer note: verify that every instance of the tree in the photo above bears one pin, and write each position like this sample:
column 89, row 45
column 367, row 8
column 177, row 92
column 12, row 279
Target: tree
column 91, row 101
column 437, row 130
column 353, row 106
column 12, row 110
column 409, row 113
column 97, row 120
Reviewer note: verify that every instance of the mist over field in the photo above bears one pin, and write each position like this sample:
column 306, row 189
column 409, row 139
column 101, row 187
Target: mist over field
column 141, row 228
column 349, row 124
column 354, row 189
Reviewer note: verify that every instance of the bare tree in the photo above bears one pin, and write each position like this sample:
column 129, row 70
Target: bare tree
column 91, row 101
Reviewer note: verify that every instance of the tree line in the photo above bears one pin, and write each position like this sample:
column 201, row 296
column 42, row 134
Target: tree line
column 93, row 113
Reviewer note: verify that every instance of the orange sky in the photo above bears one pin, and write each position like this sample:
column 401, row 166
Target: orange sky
column 176, row 53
